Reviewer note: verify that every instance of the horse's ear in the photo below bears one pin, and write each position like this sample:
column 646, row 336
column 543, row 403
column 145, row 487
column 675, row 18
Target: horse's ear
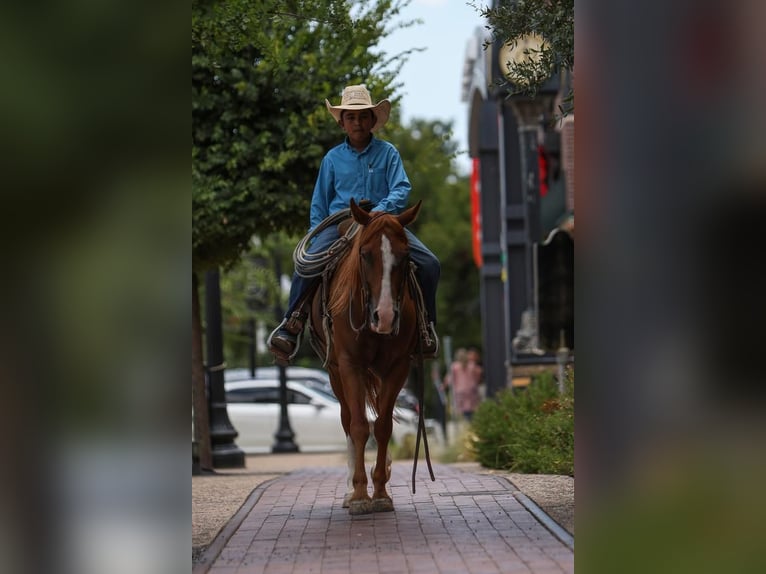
column 409, row 215
column 359, row 214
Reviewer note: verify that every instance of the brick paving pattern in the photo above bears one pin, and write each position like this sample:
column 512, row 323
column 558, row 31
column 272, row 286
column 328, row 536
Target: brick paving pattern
column 462, row 523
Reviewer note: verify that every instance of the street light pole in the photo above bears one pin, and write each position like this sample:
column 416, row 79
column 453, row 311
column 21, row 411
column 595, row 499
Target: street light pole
column 251, row 345
column 284, row 436
column 226, row 454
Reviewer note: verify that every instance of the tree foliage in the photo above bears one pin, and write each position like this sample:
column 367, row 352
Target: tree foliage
column 261, row 70
column 251, row 290
column 551, row 19
column 260, row 73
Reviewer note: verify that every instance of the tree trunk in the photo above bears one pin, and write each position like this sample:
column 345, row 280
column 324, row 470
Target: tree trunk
column 199, row 396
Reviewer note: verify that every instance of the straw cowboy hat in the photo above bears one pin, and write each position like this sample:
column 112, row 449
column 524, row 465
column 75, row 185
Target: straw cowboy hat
column 358, row 98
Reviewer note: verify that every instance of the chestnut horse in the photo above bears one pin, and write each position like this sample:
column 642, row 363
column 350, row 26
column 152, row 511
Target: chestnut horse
column 371, row 320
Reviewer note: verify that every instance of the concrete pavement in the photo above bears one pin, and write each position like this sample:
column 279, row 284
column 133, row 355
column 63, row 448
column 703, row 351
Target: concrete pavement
column 467, row 521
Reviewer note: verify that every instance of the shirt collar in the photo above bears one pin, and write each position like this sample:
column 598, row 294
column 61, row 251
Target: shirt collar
column 351, row 148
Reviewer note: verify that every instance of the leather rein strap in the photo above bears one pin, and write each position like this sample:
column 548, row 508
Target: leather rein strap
column 421, row 387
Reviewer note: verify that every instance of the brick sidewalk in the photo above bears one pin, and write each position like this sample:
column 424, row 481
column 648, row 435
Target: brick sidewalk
column 462, row 523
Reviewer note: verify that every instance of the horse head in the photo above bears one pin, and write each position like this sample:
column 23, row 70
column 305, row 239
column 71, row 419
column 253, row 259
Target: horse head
column 383, row 252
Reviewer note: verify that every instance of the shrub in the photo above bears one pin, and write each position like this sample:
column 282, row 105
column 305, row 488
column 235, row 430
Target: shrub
column 460, row 448
column 528, row 430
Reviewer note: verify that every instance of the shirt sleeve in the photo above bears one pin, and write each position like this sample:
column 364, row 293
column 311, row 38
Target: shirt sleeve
column 398, row 185
column 324, row 190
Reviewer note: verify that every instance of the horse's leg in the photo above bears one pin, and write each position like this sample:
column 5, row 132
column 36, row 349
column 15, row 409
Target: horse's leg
column 381, row 472
column 345, row 417
column 345, row 421
column 351, row 461
column 359, row 431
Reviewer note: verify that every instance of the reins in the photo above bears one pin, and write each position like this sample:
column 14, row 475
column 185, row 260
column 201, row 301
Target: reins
column 420, row 381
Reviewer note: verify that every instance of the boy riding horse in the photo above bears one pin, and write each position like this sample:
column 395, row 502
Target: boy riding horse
column 370, row 171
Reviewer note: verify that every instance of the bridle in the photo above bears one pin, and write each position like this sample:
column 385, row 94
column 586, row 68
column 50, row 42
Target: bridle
column 404, row 264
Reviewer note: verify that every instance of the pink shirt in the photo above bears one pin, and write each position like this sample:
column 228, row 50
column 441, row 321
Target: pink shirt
column 465, row 384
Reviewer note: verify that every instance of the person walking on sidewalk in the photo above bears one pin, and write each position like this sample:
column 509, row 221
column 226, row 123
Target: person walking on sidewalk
column 370, row 171
column 464, row 376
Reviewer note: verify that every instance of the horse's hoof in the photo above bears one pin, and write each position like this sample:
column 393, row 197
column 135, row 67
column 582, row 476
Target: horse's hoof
column 356, row 507
column 346, row 500
column 382, row 505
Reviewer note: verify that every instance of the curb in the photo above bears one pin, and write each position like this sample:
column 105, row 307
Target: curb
column 210, row 553
column 543, row 518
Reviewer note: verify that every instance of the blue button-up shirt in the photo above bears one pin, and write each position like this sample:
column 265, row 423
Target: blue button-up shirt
column 376, row 173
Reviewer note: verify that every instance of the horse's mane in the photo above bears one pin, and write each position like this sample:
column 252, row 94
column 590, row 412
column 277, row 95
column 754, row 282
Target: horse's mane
column 347, row 282
column 347, row 279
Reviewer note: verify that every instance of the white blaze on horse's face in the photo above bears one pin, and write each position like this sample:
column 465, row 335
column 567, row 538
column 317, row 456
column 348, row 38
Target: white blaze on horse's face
column 383, row 317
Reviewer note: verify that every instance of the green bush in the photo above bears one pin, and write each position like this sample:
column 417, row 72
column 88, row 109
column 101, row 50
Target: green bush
column 460, row 448
column 527, row 430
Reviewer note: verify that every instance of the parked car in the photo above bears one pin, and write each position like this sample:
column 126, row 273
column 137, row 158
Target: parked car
column 272, row 372
column 314, row 415
column 316, row 379
column 407, row 400
column 253, row 407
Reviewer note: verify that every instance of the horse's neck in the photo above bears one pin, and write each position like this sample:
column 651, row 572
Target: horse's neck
column 344, row 281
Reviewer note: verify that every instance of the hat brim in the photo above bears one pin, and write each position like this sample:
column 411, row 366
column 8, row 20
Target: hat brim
column 381, row 110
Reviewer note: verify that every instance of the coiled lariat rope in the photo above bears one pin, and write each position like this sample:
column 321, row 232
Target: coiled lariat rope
column 315, row 264
column 322, row 264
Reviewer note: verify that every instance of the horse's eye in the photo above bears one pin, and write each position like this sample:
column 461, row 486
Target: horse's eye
column 366, row 257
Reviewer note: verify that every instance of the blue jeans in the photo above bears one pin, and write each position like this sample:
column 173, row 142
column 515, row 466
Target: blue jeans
column 427, row 271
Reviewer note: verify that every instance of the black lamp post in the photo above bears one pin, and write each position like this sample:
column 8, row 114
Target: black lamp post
column 226, row 454
column 252, row 306
column 251, row 351
column 284, row 436
column 257, row 302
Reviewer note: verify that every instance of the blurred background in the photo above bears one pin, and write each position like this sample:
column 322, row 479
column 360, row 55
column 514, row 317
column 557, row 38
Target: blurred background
column 669, row 287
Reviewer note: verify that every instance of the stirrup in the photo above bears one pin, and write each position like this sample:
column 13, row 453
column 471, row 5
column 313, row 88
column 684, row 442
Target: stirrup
column 431, row 342
column 295, row 322
column 281, row 358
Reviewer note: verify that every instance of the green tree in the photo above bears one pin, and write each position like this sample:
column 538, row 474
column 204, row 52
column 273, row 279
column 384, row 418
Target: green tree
column 260, row 72
column 553, row 20
column 250, row 291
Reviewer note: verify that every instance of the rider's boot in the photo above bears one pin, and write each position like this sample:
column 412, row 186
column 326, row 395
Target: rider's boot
column 429, row 341
column 283, row 341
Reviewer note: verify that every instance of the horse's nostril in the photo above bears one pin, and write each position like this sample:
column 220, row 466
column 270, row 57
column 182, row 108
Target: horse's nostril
column 375, row 317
